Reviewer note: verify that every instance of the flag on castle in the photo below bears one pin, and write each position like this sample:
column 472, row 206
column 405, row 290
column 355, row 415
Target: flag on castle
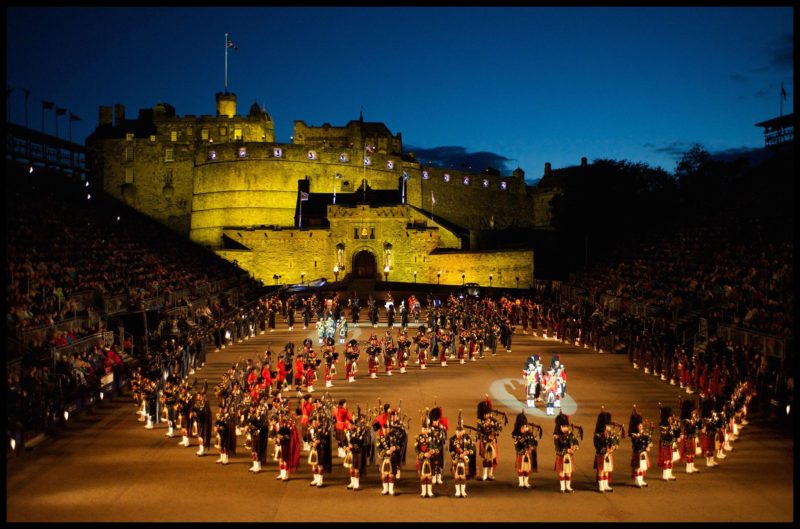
column 303, row 196
column 231, row 45
column 783, row 92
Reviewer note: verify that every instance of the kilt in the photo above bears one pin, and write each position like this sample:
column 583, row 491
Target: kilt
column 707, row 444
column 637, row 460
column 604, row 462
column 561, row 466
column 665, row 456
column 688, row 446
column 534, row 467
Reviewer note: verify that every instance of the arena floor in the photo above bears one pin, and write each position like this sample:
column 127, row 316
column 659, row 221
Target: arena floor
column 107, row 468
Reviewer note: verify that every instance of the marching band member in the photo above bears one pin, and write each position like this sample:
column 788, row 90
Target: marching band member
column 688, row 445
column 566, row 443
column 549, row 388
column 525, row 447
column 343, row 422
column 330, row 356
column 185, row 405
column 421, row 339
column 426, row 450
column 320, row 455
column 342, row 326
column 170, row 400
column 667, row 443
column 438, row 430
column 359, row 447
column 351, row 360
column 605, row 442
column 389, row 352
column 391, row 449
column 258, row 431
column 287, row 437
column 708, row 433
column 641, row 440
column 403, row 345
column 462, row 451
column 488, row 430
column 227, row 442
column 202, row 417
column 373, row 350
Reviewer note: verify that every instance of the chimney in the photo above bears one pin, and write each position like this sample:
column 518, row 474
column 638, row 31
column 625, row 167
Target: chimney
column 119, row 114
column 106, row 116
column 584, row 162
column 547, row 168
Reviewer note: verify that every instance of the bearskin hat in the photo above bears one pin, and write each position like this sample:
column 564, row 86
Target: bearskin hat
column 666, row 413
column 435, row 414
column 561, row 420
column 686, row 409
column 484, row 407
column 636, row 420
column 519, row 422
column 353, row 342
column 603, row 419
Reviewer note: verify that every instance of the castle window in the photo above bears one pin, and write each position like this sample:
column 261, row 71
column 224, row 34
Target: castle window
column 390, row 164
column 129, row 175
column 129, row 153
column 168, row 177
column 169, row 154
column 446, row 177
column 190, row 132
column 466, row 180
column 278, row 152
column 343, row 157
column 425, row 175
column 355, row 233
column 503, row 185
column 212, row 154
column 223, row 131
column 173, row 135
column 129, row 136
column 204, row 134
column 485, row 182
column 372, row 233
column 242, row 152
column 312, row 155
column 152, row 137
column 237, row 134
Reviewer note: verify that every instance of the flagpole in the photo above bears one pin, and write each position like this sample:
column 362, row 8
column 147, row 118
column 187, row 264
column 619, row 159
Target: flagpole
column 783, row 91
column 300, row 218
column 226, row 63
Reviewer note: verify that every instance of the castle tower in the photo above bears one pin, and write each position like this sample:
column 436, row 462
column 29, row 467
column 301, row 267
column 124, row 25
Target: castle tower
column 226, row 104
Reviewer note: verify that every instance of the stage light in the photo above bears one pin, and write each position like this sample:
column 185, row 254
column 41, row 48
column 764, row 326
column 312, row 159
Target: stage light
column 66, row 415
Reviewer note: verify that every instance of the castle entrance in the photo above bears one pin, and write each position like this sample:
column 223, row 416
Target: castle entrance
column 364, row 265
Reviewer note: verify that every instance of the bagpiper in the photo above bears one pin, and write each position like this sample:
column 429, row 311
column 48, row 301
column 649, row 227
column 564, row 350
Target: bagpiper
column 227, row 435
column 359, row 450
column 351, row 355
column 330, row 356
column 525, row 444
column 489, row 428
column 258, row 432
column 202, row 420
column 606, row 441
column 185, row 405
column 373, row 350
column 708, row 434
column 421, row 339
column 343, row 419
column 426, row 450
column 689, row 445
column 391, row 450
column 462, row 458
column 566, row 444
column 169, row 396
column 641, row 441
column 287, row 437
column 403, row 345
column 389, row 352
column 320, row 455
column 438, row 429
column 668, row 443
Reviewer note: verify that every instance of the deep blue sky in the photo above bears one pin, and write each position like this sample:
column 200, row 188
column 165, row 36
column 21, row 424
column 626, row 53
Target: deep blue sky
column 522, row 85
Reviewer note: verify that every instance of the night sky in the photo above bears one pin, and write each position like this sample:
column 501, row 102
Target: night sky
column 506, row 87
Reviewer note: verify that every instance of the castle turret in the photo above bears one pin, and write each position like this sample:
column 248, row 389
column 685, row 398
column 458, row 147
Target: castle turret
column 226, row 104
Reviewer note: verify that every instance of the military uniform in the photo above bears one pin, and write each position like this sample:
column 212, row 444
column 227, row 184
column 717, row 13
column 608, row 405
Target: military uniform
column 641, row 440
column 565, row 444
column 462, row 457
column 525, row 444
column 606, row 442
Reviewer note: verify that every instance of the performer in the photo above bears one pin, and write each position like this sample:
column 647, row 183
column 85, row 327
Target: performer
column 421, row 339
column 389, row 352
column 227, row 442
column 561, row 380
column 462, row 452
column 391, row 450
column 525, row 444
column 463, row 339
column 202, row 416
column 321, row 333
column 690, row 422
column 403, row 345
column 438, row 431
column 529, row 375
column 287, row 437
column 359, row 450
column 320, row 455
column 373, row 350
column 185, row 405
column 330, row 356
column 668, row 442
column 343, row 422
column 606, row 441
column 425, row 449
column 566, row 444
column 351, row 355
column 306, row 408
column 720, row 422
column 488, row 430
column 342, row 325
column 708, row 434
column 170, row 401
column 550, row 390
column 641, row 440
column 258, row 431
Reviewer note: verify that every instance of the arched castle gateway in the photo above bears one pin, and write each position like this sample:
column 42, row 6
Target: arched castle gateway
column 224, row 182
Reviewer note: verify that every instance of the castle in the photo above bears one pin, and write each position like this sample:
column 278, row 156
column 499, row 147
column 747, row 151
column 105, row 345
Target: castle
column 225, row 183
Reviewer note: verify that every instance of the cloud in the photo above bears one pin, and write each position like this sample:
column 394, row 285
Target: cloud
column 456, row 157
column 780, row 55
column 739, row 78
column 676, row 149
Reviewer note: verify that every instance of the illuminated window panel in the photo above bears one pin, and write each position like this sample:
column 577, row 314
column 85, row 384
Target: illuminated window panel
column 343, row 157
column 466, row 180
column 312, row 155
column 425, row 175
column 278, row 153
column 485, row 182
column 390, row 164
column 242, row 152
column 446, row 177
column 503, row 185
